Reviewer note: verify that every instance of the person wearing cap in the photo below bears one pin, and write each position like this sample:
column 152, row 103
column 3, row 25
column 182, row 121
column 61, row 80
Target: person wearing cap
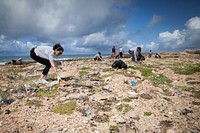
column 45, row 55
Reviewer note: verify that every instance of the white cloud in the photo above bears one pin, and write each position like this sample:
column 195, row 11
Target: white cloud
column 152, row 46
column 154, row 20
column 89, row 23
column 2, row 37
column 186, row 38
column 193, row 23
column 14, row 46
column 95, row 38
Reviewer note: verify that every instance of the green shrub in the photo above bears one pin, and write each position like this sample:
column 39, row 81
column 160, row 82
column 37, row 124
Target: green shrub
column 45, row 93
column 123, row 108
column 113, row 128
column 66, row 108
column 147, row 113
column 187, row 70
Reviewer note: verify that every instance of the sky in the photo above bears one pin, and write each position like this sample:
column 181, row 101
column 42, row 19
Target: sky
column 89, row 26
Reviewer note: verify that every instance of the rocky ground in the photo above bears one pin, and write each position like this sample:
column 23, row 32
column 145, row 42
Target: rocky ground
column 158, row 95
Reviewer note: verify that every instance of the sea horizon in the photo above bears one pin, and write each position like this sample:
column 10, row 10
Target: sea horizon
column 5, row 59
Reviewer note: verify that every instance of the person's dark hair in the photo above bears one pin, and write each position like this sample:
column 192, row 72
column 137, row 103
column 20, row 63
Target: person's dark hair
column 99, row 53
column 139, row 49
column 58, row 47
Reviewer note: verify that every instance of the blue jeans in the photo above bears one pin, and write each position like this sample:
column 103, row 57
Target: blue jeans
column 133, row 56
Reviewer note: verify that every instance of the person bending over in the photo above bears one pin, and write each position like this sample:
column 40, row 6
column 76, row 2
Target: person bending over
column 45, row 55
column 98, row 57
column 134, row 52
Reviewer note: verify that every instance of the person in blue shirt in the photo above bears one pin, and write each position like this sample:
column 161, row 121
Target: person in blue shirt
column 150, row 54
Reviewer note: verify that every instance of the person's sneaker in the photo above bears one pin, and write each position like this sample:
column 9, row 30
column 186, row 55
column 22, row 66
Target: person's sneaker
column 42, row 81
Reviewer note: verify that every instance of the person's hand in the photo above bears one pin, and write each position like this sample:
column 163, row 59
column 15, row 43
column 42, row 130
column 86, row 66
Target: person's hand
column 58, row 79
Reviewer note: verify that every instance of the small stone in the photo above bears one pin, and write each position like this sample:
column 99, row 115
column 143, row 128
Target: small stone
column 171, row 113
column 62, row 99
column 120, row 120
column 0, row 123
column 65, row 130
column 170, row 131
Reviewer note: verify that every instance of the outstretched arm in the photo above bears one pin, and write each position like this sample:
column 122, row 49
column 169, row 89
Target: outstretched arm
column 55, row 70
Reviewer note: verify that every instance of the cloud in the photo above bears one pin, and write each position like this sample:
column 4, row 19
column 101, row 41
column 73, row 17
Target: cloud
column 187, row 38
column 58, row 18
column 152, row 46
column 13, row 46
column 64, row 21
column 154, row 20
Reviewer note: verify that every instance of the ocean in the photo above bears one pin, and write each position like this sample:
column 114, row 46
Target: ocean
column 4, row 59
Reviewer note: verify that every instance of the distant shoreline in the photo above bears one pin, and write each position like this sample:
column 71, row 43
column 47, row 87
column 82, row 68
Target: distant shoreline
column 27, row 59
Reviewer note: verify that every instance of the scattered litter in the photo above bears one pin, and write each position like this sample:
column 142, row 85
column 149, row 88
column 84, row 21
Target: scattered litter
column 8, row 101
column 71, row 90
column 42, row 81
column 54, row 83
column 105, row 89
column 108, row 79
column 177, row 92
column 133, row 94
column 96, row 83
column 133, row 83
column 90, row 112
column 185, row 111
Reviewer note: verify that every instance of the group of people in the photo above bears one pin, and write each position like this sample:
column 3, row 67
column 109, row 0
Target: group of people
column 157, row 55
column 120, row 52
column 45, row 55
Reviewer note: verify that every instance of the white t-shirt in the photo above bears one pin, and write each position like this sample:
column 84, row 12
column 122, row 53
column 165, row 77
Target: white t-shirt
column 45, row 52
column 120, row 49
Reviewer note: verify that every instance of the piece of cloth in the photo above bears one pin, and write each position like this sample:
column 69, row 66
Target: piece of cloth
column 41, row 60
column 45, row 52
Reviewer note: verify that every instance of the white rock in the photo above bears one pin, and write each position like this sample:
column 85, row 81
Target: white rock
column 170, row 131
column 171, row 113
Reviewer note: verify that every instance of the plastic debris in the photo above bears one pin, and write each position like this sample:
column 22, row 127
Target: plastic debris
column 96, row 83
column 42, row 81
column 8, row 101
column 177, row 92
column 108, row 79
column 133, row 94
column 89, row 112
column 105, row 89
column 133, row 83
column 185, row 111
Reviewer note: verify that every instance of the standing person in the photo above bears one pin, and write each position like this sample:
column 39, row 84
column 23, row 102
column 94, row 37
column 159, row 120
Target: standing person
column 150, row 54
column 45, row 55
column 134, row 52
column 113, row 52
column 121, row 51
column 98, row 57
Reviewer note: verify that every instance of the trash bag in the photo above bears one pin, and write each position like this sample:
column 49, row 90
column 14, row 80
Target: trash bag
column 119, row 64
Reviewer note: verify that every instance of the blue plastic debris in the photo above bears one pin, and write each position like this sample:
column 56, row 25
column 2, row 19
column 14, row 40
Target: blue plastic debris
column 133, row 83
column 105, row 89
